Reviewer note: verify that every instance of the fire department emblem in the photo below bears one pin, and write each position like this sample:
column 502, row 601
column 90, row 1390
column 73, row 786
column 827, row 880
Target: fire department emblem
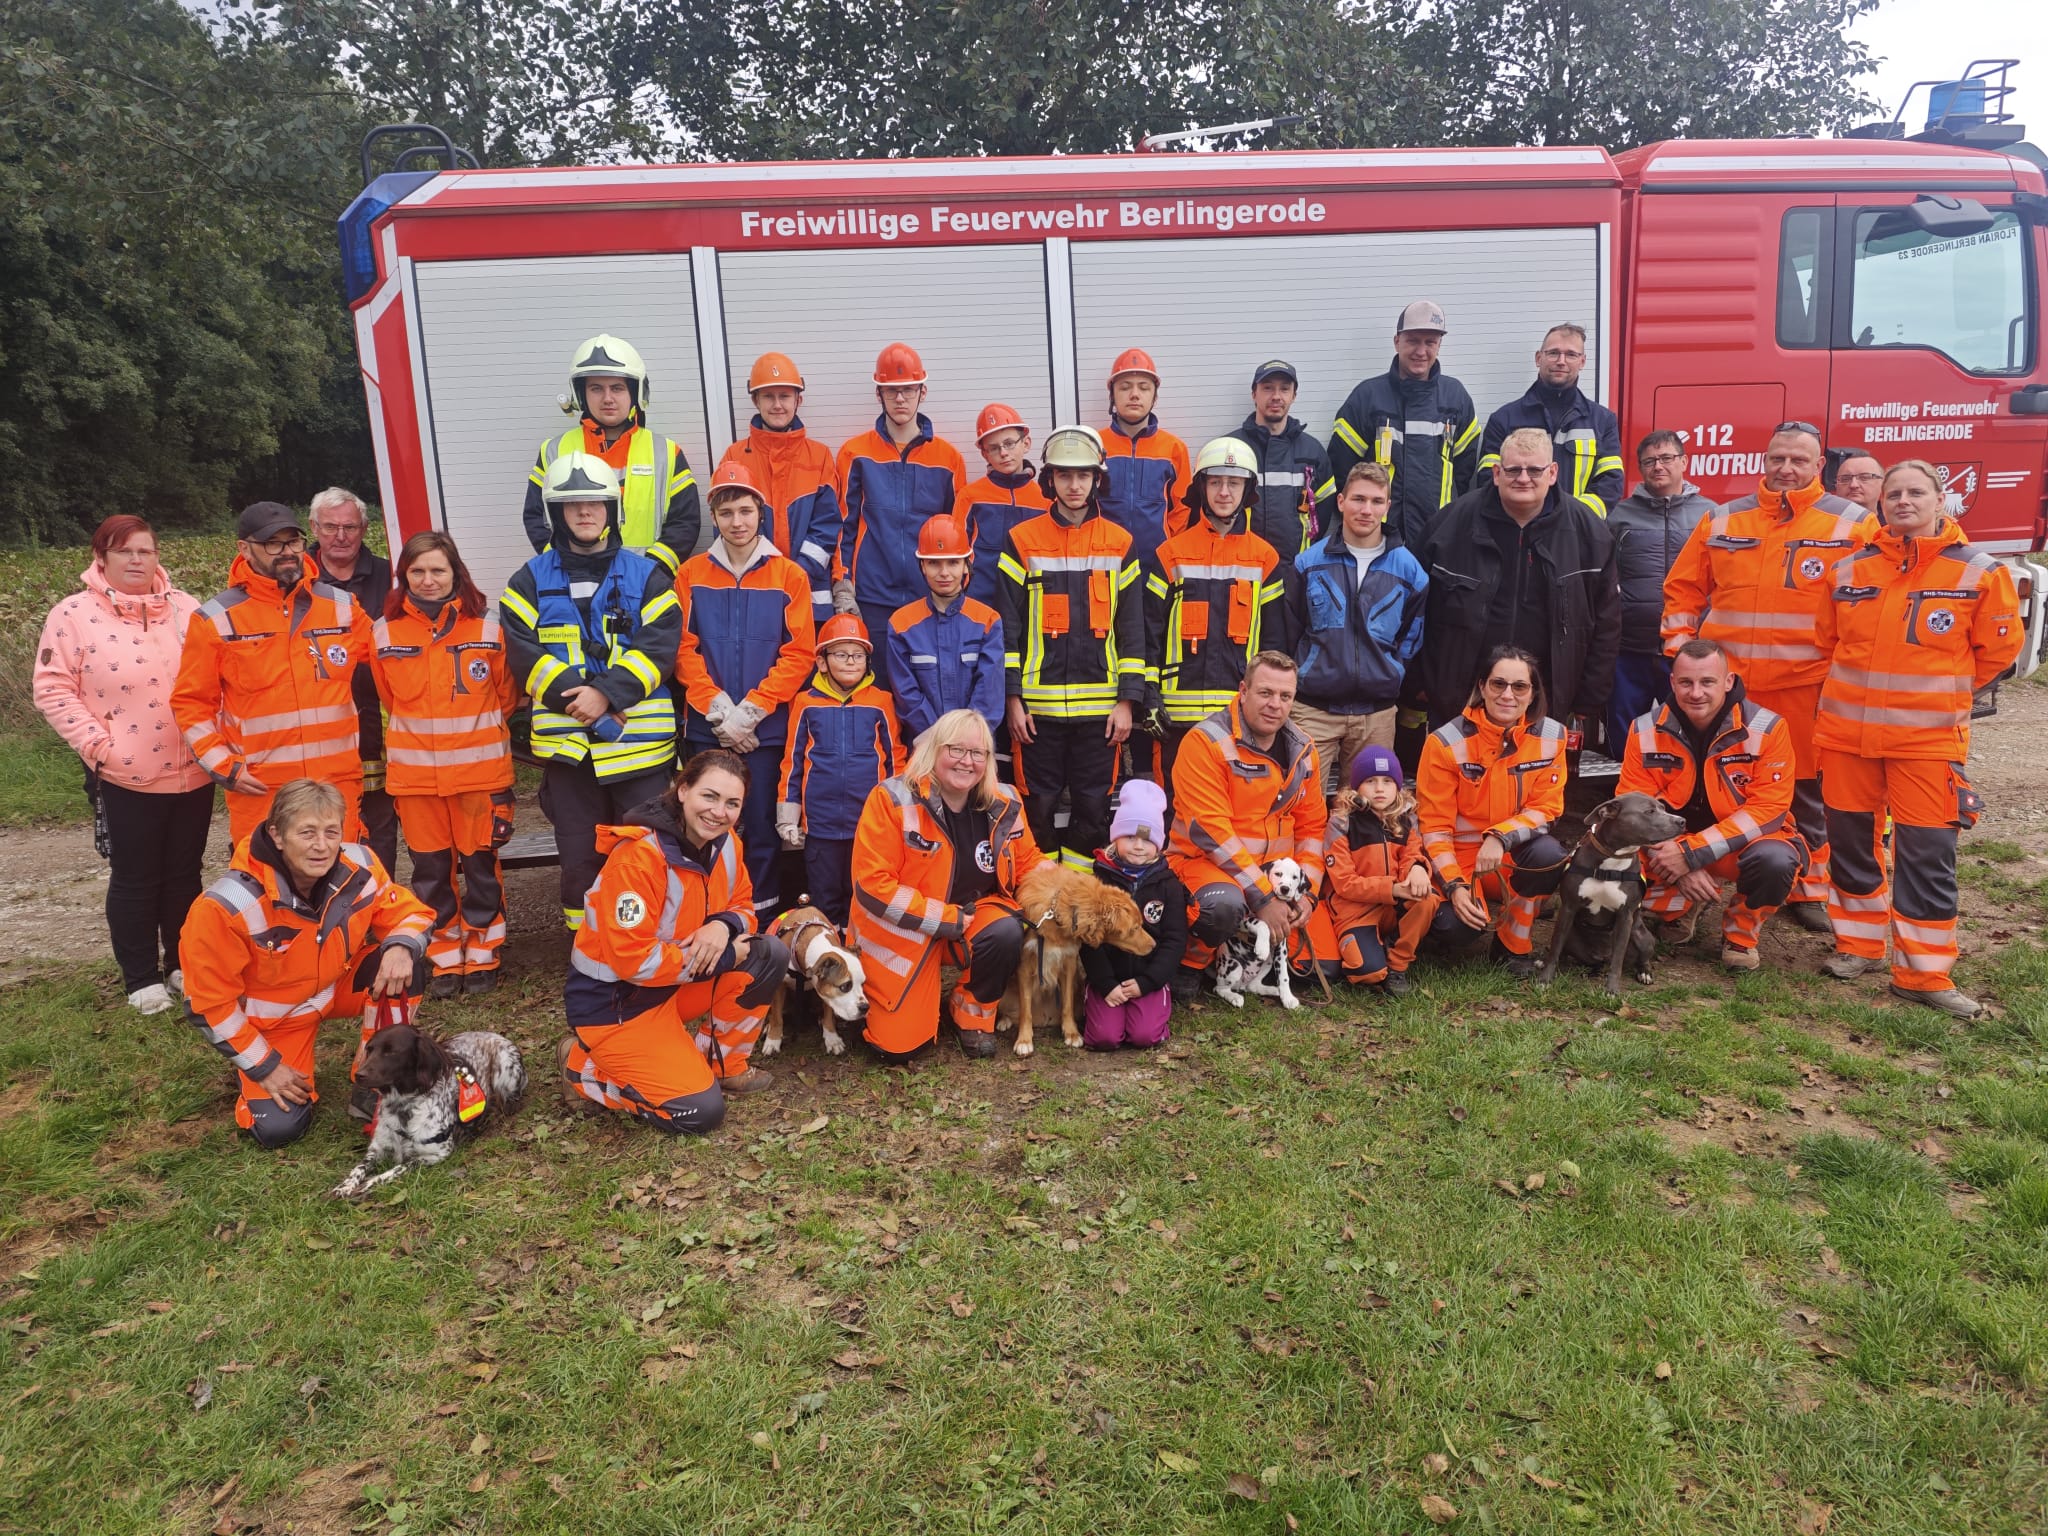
column 1959, row 484
column 629, row 911
column 1941, row 621
column 337, row 655
column 1811, row 567
column 984, row 857
column 479, row 669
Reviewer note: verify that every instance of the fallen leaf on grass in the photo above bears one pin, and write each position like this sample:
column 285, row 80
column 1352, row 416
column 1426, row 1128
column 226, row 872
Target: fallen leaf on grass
column 1459, row 1113
column 1173, row 1461
column 202, row 1392
column 1813, row 1519
column 1508, row 1187
column 319, row 1244
column 226, row 1491
column 483, row 1370
column 226, row 1525
column 802, row 1408
column 480, row 1443
column 1662, row 1371
column 158, row 1306
column 1926, row 1146
column 1237, row 1485
column 480, row 1482
column 960, row 1305
column 812, row 1127
column 1568, row 1168
column 1436, row 1463
column 1547, row 1484
column 1830, row 1261
column 1121, row 1287
column 1437, row 1509
column 543, row 1456
column 1534, row 1182
column 1293, row 1524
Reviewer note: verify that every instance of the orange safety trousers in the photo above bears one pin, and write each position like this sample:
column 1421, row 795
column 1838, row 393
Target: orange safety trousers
column 1383, row 936
column 248, row 812
column 1740, row 922
column 1799, row 708
column 1516, row 926
column 1929, row 801
column 294, row 1039
column 454, row 842
column 1194, row 874
column 700, row 1035
column 914, row 1020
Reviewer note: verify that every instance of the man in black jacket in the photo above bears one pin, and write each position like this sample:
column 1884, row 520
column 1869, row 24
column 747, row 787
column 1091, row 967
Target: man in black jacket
column 1297, row 498
column 1415, row 419
column 1518, row 562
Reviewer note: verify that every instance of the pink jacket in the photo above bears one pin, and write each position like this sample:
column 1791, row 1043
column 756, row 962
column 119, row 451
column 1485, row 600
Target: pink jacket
column 103, row 678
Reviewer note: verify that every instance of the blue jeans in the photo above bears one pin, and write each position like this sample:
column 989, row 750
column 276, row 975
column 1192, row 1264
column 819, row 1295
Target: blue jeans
column 1641, row 683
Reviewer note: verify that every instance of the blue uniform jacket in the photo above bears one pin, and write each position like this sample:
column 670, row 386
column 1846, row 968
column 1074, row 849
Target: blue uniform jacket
column 1355, row 639
column 841, row 745
column 941, row 661
column 1586, row 434
column 891, row 493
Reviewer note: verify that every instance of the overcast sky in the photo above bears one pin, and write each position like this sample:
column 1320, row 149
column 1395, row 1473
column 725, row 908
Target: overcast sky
column 1925, row 39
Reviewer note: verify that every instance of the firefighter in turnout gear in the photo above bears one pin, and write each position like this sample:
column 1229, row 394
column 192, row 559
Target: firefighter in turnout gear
column 593, row 629
column 1297, row 495
column 1587, row 434
column 1415, row 419
column 1074, row 666
column 1752, row 577
column 659, row 510
column 1911, row 626
column 1212, row 599
column 443, row 672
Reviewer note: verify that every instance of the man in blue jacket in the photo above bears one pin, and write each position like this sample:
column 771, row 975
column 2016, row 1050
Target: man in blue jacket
column 1354, row 601
column 1415, row 419
column 1587, row 434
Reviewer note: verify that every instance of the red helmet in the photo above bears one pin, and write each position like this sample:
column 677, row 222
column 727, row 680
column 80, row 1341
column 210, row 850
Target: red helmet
column 1133, row 360
column 996, row 418
column 733, row 475
column 774, row 369
column 899, row 364
column 844, row 629
column 942, row 538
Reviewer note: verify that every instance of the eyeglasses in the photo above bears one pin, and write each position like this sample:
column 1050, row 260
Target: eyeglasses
column 283, row 544
column 900, row 391
column 1658, row 460
column 972, row 756
column 1859, row 476
column 1502, row 685
column 1559, row 355
column 1521, row 471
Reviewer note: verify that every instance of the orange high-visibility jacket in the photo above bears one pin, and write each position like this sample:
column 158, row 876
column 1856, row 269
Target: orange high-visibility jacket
column 447, row 683
column 1238, row 808
column 1751, row 578
column 1911, row 628
column 1475, row 778
column 1750, row 773
column 650, row 899
column 750, row 636
column 903, row 878
column 1212, row 601
column 256, row 956
column 265, row 684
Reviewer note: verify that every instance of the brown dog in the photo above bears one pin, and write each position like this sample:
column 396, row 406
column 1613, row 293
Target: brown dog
column 1064, row 909
column 819, row 960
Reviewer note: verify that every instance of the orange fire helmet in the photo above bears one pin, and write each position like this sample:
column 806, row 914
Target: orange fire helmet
column 899, row 364
column 1133, row 360
column 774, row 368
column 942, row 538
column 733, row 475
column 845, row 629
column 996, row 418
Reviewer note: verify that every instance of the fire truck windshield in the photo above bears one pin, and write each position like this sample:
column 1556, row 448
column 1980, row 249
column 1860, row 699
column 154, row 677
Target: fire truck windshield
column 1966, row 297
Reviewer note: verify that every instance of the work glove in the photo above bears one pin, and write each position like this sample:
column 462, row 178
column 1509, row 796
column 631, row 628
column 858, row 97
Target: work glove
column 842, row 597
column 736, row 730
column 789, row 824
column 719, row 707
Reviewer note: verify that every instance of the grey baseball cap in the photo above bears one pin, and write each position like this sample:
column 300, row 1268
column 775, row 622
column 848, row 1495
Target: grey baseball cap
column 1422, row 315
column 262, row 520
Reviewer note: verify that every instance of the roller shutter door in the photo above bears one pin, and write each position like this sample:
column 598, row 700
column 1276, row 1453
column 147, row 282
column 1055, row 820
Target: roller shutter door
column 1209, row 311
column 498, row 336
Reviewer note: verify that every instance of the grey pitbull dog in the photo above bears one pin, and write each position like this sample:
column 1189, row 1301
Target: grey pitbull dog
column 1603, row 885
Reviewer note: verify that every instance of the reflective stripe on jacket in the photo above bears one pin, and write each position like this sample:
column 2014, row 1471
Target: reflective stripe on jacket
column 1752, row 578
column 1585, row 437
column 1211, row 602
column 1911, row 628
column 890, row 493
column 265, row 685
column 255, row 955
column 1475, row 778
column 903, row 879
column 798, row 476
column 746, row 634
column 1073, row 617
column 1425, row 430
column 1297, row 497
column 841, row 745
column 1749, row 770
column 1147, row 473
column 659, row 509
column 447, row 682
column 617, row 633
column 1238, row 807
column 993, row 506
column 943, row 661
column 1355, row 638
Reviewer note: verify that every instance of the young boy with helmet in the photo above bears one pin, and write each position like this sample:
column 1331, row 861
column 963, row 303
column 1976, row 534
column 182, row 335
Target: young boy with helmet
column 1073, row 648
column 796, row 473
column 658, row 490
column 946, row 649
column 843, row 741
column 892, row 479
column 1147, row 466
column 745, row 650
column 592, row 627
column 1000, row 499
column 1211, row 596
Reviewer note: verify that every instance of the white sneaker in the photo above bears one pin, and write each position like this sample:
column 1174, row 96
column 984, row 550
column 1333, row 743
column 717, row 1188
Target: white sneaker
column 176, row 982
column 150, row 999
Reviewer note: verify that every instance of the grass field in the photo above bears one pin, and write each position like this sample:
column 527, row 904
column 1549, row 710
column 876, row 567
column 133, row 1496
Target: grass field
column 1737, row 1257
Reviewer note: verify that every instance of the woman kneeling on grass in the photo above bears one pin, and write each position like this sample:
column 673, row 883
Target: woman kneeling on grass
column 668, row 982
column 302, row 928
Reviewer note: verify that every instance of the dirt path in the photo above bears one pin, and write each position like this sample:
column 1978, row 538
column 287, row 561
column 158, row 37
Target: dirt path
column 53, row 886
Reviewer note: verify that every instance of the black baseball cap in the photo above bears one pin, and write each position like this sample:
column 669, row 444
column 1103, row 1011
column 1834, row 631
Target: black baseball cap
column 1274, row 368
column 262, row 520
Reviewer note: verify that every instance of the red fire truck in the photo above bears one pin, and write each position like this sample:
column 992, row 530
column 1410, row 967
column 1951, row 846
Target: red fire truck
column 1890, row 292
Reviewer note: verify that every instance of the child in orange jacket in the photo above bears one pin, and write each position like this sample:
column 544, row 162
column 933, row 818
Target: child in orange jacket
column 1381, row 898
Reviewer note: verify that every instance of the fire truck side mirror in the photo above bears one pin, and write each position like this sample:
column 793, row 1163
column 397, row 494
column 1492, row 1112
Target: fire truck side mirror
column 1948, row 218
column 2031, row 401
